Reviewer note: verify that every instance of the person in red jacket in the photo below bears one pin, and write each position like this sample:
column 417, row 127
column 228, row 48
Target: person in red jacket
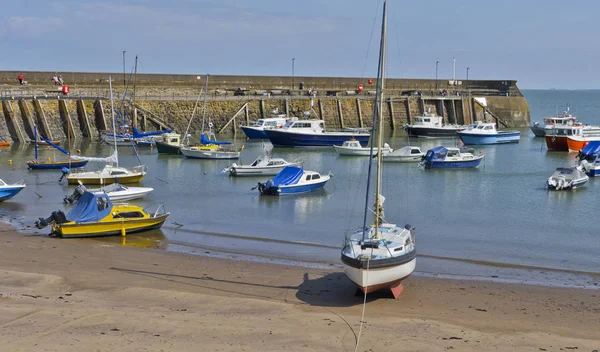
column 20, row 78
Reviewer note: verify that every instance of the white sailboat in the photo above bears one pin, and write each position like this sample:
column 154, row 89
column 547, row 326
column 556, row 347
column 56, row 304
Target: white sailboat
column 112, row 172
column 210, row 148
column 382, row 254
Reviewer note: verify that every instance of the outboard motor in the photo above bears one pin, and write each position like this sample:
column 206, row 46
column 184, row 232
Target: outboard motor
column 77, row 193
column 65, row 172
column 57, row 217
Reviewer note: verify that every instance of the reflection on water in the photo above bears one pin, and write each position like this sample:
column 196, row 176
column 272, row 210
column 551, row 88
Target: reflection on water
column 147, row 239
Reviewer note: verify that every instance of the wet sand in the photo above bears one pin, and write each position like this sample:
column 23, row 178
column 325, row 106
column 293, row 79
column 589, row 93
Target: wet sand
column 82, row 295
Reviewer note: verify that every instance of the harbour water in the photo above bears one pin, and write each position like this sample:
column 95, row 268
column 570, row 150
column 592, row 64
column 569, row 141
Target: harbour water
column 500, row 214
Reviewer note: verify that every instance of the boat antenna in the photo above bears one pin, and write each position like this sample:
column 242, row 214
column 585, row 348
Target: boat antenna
column 112, row 114
column 377, row 107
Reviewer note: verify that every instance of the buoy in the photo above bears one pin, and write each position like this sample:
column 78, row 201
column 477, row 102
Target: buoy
column 360, row 87
column 10, row 161
column 65, row 90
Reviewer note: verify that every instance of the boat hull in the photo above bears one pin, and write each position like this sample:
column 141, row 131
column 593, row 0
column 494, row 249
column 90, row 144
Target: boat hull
column 401, row 158
column 479, row 139
column 9, row 192
column 557, row 142
column 254, row 132
column 55, row 165
column 538, row 131
column 432, row 131
column 209, row 154
column 281, row 138
column 132, row 193
column 463, row 164
column 109, row 228
column 341, row 150
column 95, row 180
column 259, row 171
column 574, row 185
column 165, row 148
column 376, row 279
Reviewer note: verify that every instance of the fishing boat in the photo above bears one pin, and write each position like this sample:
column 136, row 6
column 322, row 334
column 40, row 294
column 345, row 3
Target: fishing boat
column 486, row 133
column 116, row 192
column 567, row 178
column 257, row 129
column 111, row 173
column 169, row 143
column 451, row 158
column 432, row 125
column 577, row 143
column 264, row 165
column 311, row 133
column 558, row 137
column 36, row 164
column 379, row 255
column 293, row 180
column 353, row 147
column 7, row 191
column 589, row 158
column 95, row 215
column 550, row 122
column 405, row 154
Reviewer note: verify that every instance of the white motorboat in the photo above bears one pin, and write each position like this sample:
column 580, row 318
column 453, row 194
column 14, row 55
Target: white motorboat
column 264, row 165
column 257, row 129
column 203, row 152
column 116, row 192
column 406, row 154
column 353, row 147
column 432, row 125
column 8, row 191
column 109, row 174
column 567, row 178
column 382, row 254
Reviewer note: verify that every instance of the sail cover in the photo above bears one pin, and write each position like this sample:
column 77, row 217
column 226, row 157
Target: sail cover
column 91, row 207
column 54, row 145
column 290, row 175
column 593, row 148
column 137, row 134
column 205, row 140
column 114, row 158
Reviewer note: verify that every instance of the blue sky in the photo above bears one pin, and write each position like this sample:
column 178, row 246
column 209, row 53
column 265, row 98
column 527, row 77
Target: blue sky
column 541, row 44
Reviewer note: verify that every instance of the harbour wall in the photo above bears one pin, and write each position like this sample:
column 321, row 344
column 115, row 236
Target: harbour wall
column 167, row 101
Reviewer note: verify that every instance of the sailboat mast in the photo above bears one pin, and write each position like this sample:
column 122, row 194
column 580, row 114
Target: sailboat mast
column 112, row 114
column 382, row 53
column 35, row 138
column 204, row 105
column 192, row 117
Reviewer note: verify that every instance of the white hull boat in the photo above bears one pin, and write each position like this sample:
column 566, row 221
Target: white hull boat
column 354, row 148
column 262, row 166
column 109, row 174
column 204, row 153
column 406, row 154
column 567, row 178
column 116, row 192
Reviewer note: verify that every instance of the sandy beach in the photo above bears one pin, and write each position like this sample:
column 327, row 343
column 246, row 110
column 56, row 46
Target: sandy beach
column 81, row 295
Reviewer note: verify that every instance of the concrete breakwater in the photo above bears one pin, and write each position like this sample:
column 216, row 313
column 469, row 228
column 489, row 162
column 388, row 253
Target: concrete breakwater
column 236, row 100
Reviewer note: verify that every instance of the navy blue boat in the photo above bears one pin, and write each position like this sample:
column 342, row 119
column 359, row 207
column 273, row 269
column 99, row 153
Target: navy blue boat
column 311, row 133
column 291, row 180
column 450, row 158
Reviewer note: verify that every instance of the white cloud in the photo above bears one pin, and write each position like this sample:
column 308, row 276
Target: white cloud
column 33, row 27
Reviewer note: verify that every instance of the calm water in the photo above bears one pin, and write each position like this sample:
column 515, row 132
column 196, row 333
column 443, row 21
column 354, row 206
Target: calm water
column 498, row 213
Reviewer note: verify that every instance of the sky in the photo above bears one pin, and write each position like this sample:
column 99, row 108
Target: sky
column 541, row 44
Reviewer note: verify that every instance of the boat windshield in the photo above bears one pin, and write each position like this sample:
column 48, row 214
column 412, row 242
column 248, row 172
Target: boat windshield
column 259, row 123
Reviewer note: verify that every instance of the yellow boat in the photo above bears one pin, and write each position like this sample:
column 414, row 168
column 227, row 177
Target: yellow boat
column 95, row 215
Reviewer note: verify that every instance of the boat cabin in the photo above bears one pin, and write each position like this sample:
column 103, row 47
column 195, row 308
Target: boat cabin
column 315, row 126
column 269, row 123
column 171, row 138
column 311, row 175
column 268, row 162
column 428, row 119
column 353, row 143
column 482, row 128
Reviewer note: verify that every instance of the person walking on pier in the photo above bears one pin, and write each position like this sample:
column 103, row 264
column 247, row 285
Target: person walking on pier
column 20, row 77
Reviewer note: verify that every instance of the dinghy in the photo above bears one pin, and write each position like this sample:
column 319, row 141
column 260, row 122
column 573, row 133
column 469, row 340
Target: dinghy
column 292, row 180
column 567, row 178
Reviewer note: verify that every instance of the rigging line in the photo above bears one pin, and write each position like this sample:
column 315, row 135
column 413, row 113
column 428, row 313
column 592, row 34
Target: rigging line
column 362, row 317
column 370, row 39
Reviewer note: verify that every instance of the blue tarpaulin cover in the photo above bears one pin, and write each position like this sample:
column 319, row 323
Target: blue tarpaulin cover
column 90, row 208
column 436, row 154
column 137, row 134
column 593, row 148
column 290, row 175
column 205, row 140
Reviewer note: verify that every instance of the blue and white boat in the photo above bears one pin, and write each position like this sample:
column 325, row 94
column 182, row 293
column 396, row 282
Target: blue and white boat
column 7, row 191
column 590, row 158
column 450, row 158
column 292, row 180
column 311, row 133
column 567, row 178
column 486, row 133
column 257, row 129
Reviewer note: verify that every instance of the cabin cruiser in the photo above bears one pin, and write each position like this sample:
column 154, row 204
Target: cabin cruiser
column 432, row 125
column 311, row 133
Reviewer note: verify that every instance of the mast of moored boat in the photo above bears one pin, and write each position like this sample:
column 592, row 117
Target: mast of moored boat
column 204, row 104
column 112, row 114
column 35, row 144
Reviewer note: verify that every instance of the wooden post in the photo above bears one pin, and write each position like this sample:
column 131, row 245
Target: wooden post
column 340, row 113
column 16, row 133
column 41, row 120
column 408, row 113
column 321, row 110
column 262, row 108
column 26, row 116
column 359, row 112
column 287, row 108
column 84, row 121
column 246, row 114
column 134, row 119
column 453, row 111
column 243, row 108
column 66, row 117
column 391, row 109
column 99, row 116
column 422, row 105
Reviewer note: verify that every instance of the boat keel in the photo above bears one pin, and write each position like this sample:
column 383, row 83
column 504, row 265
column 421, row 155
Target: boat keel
column 397, row 289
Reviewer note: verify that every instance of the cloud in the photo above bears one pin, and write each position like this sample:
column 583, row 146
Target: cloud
column 33, row 27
